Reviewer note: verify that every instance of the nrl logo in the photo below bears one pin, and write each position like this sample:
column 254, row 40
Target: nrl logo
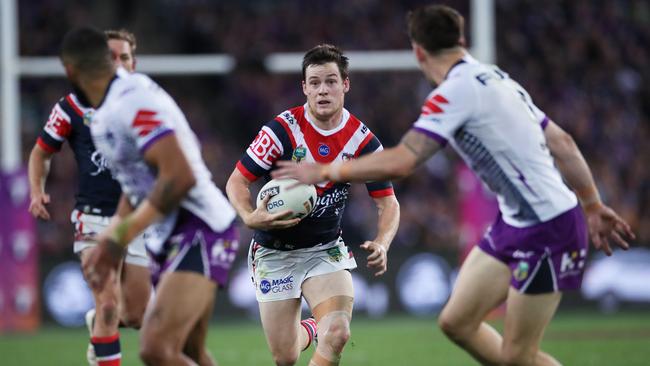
column 299, row 154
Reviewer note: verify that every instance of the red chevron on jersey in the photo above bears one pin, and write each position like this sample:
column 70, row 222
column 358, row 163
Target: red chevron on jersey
column 145, row 121
column 432, row 105
column 326, row 148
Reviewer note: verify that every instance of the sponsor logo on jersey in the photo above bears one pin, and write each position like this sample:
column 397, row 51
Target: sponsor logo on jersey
column 299, row 153
column 276, row 286
column 323, row 150
column 572, row 261
column 521, row 272
column 289, row 118
column 99, row 162
column 333, row 200
column 265, row 148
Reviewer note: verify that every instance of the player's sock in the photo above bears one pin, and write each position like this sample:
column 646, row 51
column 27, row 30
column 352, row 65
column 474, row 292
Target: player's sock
column 107, row 350
column 311, row 327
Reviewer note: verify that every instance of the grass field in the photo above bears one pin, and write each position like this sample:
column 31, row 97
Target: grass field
column 575, row 339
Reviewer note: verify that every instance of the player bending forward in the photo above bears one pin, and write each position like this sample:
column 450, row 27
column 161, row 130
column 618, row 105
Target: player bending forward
column 122, row 301
column 167, row 190
column 310, row 255
column 537, row 247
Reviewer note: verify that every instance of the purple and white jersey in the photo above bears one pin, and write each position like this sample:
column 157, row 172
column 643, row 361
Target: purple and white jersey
column 491, row 121
column 135, row 113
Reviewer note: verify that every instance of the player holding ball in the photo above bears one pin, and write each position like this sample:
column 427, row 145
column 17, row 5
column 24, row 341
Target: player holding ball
column 290, row 258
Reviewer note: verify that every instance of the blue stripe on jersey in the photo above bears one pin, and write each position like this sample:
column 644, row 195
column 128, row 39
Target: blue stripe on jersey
column 486, row 167
column 371, row 147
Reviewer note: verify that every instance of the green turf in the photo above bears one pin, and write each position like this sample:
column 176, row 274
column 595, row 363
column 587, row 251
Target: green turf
column 575, row 339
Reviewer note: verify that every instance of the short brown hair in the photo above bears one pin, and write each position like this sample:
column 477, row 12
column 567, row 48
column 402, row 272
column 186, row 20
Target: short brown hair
column 122, row 35
column 436, row 27
column 322, row 54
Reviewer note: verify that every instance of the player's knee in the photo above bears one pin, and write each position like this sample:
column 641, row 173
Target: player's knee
column 285, row 358
column 517, row 355
column 132, row 318
column 154, row 353
column 338, row 334
column 453, row 327
column 334, row 333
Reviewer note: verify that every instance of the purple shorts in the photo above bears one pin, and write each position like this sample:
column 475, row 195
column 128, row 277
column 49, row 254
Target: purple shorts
column 193, row 246
column 543, row 258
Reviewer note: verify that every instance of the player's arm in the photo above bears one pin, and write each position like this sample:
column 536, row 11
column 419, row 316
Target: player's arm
column 38, row 170
column 387, row 224
column 392, row 163
column 174, row 180
column 604, row 223
column 239, row 194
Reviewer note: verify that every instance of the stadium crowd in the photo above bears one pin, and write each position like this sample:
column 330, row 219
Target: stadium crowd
column 583, row 62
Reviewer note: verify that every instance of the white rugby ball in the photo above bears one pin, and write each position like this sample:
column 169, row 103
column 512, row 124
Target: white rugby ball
column 288, row 194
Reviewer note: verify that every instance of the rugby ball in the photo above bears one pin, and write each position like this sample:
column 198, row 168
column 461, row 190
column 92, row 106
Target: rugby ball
column 288, row 194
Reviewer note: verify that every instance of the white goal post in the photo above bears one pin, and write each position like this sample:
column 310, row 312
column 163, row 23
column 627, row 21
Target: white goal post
column 14, row 67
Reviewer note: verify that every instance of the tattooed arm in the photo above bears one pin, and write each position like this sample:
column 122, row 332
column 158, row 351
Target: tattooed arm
column 393, row 163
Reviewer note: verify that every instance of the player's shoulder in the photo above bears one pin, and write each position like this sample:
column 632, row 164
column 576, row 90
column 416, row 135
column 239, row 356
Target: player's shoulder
column 291, row 116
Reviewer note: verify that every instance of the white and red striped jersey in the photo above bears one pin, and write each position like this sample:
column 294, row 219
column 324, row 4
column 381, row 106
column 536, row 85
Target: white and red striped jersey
column 293, row 135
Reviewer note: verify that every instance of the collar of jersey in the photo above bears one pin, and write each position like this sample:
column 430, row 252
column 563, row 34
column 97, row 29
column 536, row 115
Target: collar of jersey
column 108, row 89
column 345, row 116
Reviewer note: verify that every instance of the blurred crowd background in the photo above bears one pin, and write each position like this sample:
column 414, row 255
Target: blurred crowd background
column 584, row 62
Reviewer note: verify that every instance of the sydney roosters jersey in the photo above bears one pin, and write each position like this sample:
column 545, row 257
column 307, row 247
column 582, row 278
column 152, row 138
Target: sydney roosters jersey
column 97, row 192
column 293, row 136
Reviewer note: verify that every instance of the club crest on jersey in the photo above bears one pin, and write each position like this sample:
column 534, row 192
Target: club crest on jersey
column 323, row 150
column 521, row 272
column 87, row 118
column 299, row 154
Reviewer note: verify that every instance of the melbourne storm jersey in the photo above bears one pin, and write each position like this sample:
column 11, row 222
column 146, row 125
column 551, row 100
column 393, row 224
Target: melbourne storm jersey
column 135, row 113
column 97, row 192
column 292, row 135
column 491, row 121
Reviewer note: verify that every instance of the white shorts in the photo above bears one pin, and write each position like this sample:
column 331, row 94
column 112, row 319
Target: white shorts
column 86, row 226
column 279, row 274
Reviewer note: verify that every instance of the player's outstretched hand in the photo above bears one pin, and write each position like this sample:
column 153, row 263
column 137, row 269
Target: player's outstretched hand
column 605, row 225
column 261, row 219
column 377, row 257
column 102, row 262
column 37, row 205
column 307, row 173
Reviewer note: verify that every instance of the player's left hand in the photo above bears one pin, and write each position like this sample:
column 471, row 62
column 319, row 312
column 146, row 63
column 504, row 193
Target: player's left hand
column 307, row 173
column 102, row 262
column 605, row 225
column 377, row 257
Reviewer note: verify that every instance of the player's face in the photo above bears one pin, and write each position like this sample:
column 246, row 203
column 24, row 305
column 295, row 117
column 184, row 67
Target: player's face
column 122, row 50
column 325, row 90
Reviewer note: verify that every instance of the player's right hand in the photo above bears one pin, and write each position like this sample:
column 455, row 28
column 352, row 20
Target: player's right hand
column 605, row 225
column 37, row 205
column 261, row 219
